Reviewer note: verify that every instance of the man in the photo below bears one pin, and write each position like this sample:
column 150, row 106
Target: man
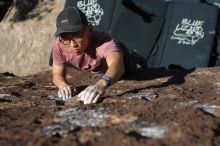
column 78, row 44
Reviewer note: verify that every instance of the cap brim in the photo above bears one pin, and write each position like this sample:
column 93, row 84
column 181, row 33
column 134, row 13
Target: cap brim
column 75, row 28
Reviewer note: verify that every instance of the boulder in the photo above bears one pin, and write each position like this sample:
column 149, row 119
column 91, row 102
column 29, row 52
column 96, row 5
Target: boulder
column 26, row 43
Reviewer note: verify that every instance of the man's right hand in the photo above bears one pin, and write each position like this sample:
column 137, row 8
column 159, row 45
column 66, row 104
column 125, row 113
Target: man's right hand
column 64, row 92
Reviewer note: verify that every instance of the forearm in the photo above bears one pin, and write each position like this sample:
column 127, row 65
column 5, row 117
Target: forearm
column 115, row 72
column 59, row 81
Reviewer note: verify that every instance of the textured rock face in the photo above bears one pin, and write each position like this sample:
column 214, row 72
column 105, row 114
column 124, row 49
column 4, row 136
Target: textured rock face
column 26, row 45
column 155, row 107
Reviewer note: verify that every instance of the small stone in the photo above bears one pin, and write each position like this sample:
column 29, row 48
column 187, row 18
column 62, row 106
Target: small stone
column 7, row 98
column 118, row 119
column 51, row 130
column 53, row 97
column 109, row 100
column 59, row 130
column 148, row 96
column 36, row 121
column 88, row 136
column 144, row 129
column 58, row 100
column 155, row 132
column 5, row 95
column 72, row 100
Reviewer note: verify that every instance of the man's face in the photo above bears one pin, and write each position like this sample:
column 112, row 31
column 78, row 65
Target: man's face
column 75, row 42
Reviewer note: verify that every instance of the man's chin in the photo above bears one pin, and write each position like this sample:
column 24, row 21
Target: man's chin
column 77, row 53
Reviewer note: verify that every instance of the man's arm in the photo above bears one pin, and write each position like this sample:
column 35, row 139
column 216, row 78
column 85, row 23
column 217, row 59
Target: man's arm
column 116, row 68
column 59, row 75
column 115, row 71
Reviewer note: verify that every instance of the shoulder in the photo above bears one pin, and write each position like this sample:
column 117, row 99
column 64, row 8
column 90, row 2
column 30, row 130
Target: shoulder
column 108, row 47
column 59, row 56
column 57, row 47
column 104, row 44
column 101, row 37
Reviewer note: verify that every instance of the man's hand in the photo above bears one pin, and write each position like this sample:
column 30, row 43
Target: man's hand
column 64, row 92
column 91, row 94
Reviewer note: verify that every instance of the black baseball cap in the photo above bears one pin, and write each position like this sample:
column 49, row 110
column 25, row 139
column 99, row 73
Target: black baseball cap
column 70, row 19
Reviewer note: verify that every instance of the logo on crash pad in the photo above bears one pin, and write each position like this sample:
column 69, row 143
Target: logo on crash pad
column 189, row 32
column 92, row 10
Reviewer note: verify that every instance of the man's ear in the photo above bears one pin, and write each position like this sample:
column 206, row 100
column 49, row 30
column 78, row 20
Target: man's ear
column 90, row 28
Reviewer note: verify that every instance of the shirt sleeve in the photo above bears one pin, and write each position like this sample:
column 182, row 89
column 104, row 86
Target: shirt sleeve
column 58, row 58
column 107, row 48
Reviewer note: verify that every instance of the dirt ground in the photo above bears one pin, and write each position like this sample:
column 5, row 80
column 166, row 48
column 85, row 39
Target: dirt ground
column 155, row 108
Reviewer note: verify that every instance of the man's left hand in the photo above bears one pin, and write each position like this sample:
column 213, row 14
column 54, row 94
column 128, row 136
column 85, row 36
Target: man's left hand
column 91, row 94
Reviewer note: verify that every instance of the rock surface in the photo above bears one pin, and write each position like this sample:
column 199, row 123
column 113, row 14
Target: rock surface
column 26, row 44
column 184, row 110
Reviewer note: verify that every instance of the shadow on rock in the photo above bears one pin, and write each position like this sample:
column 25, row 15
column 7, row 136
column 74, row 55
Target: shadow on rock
column 23, row 8
column 177, row 75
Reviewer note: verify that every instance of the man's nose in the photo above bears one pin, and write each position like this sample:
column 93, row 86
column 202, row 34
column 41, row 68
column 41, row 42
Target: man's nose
column 73, row 43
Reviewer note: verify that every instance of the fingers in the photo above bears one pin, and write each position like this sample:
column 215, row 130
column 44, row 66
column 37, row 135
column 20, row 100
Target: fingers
column 60, row 94
column 81, row 95
column 85, row 94
column 68, row 92
column 96, row 98
column 65, row 93
column 90, row 95
column 89, row 98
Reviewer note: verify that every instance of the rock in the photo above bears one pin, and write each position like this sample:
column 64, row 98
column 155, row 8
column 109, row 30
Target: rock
column 144, row 129
column 83, row 117
column 26, row 45
column 206, row 108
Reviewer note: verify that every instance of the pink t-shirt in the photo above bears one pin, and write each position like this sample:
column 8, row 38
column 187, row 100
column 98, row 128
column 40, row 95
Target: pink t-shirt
column 94, row 58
